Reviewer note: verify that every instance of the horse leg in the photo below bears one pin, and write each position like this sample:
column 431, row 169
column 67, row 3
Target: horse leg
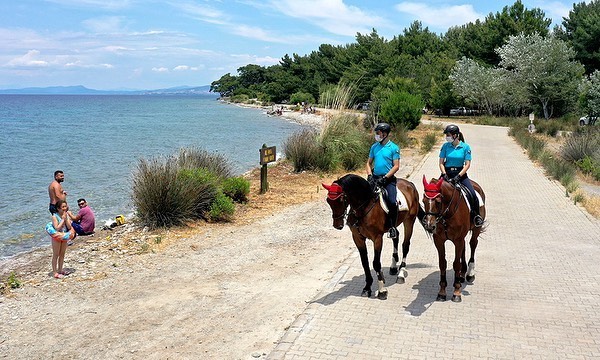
column 457, row 265
column 441, row 249
column 382, row 291
column 408, row 231
column 473, row 245
column 395, row 258
column 361, row 245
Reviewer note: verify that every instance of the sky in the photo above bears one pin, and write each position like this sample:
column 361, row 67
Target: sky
column 148, row 44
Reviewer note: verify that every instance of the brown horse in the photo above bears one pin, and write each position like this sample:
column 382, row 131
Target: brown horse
column 447, row 217
column 366, row 219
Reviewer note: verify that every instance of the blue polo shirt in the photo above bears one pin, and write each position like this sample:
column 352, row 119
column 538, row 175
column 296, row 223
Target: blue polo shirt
column 383, row 157
column 455, row 156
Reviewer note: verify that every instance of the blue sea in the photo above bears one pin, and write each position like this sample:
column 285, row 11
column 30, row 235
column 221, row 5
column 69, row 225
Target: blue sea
column 97, row 142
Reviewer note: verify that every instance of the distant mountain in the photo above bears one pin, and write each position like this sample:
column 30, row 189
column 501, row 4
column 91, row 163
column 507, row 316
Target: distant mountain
column 82, row 90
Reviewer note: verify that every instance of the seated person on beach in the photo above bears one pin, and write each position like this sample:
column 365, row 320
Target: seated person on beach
column 85, row 221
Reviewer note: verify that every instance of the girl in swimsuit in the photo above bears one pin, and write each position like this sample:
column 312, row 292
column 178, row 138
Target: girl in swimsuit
column 61, row 231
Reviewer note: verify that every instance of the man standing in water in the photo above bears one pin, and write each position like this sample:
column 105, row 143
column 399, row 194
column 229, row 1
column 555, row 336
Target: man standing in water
column 55, row 191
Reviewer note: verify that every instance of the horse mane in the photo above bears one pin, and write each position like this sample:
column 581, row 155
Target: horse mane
column 356, row 187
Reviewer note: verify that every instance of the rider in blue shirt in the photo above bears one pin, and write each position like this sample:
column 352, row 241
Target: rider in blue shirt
column 455, row 161
column 383, row 163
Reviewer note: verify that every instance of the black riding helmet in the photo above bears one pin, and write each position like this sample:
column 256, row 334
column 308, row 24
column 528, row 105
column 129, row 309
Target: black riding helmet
column 383, row 127
column 452, row 129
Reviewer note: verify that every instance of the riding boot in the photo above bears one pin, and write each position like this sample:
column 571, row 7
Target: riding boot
column 477, row 219
column 391, row 219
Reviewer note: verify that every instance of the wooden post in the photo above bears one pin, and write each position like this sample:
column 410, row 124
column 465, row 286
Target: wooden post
column 267, row 155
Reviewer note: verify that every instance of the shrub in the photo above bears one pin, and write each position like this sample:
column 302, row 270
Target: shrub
column 589, row 166
column 221, row 208
column 236, row 188
column 428, row 142
column 170, row 191
column 402, row 108
column 202, row 185
column 580, row 144
column 302, row 97
column 195, row 158
column 335, row 96
column 346, row 145
column 303, row 150
column 240, row 98
column 13, row 282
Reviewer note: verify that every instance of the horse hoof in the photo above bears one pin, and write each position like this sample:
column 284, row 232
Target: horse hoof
column 461, row 279
column 382, row 295
column 441, row 298
column 456, row 298
column 400, row 279
column 366, row 293
column 393, row 271
column 470, row 278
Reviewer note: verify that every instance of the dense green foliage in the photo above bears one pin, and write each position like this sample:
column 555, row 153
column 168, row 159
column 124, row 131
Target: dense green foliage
column 169, row 191
column 402, row 109
column 507, row 64
column 342, row 144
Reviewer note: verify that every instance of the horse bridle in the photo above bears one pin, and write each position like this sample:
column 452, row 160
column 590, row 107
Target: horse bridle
column 353, row 211
column 440, row 217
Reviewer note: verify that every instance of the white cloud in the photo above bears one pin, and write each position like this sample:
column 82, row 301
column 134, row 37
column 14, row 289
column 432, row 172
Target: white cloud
column 257, row 33
column 186, row 68
column 555, row 10
column 201, row 12
column 101, row 4
column 28, row 60
column 160, row 69
column 331, row 15
column 104, row 25
column 253, row 59
column 440, row 17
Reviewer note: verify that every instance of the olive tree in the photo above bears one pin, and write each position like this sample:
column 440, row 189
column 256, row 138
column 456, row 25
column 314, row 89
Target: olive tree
column 545, row 66
column 590, row 94
column 477, row 84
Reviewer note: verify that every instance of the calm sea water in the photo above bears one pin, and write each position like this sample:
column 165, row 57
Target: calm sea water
column 97, row 141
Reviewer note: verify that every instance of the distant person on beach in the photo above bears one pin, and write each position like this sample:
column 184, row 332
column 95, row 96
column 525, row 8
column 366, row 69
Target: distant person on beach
column 61, row 231
column 56, row 191
column 85, row 221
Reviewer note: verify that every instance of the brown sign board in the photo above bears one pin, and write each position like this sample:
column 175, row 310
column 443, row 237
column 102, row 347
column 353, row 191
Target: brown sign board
column 267, row 155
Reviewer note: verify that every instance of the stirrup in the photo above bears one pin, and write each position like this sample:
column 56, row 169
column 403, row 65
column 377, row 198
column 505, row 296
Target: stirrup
column 478, row 221
column 393, row 233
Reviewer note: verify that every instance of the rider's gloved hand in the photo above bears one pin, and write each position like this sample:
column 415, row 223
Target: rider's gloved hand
column 445, row 177
column 455, row 180
column 382, row 181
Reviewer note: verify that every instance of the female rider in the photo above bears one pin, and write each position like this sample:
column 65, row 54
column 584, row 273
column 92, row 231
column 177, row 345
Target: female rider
column 455, row 161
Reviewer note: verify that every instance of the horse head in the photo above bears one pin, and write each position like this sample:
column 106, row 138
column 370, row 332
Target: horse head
column 338, row 203
column 432, row 203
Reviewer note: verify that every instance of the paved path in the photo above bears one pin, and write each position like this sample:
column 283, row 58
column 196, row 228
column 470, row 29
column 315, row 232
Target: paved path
column 536, row 293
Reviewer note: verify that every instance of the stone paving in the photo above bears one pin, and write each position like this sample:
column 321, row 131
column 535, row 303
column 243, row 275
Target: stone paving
column 536, row 294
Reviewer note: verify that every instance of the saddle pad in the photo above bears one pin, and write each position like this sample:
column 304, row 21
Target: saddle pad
column 400, row 200
column 465, row 194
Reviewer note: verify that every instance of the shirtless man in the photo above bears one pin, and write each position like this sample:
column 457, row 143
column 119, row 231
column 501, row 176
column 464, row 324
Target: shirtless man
column 55, row 191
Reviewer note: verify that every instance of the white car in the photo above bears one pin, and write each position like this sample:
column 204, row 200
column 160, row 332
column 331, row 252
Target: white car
column 587, row 120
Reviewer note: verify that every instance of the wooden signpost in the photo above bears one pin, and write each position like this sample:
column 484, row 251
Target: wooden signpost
column 267, row 155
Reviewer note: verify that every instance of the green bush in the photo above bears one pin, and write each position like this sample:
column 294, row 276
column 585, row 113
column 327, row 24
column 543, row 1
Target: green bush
column 401, row 108
column 221, row 208
column 195, row 158
column 236, row 188
column 13, row 282
column 580, row 144
column 346, row 145
column 203, row 186
column 589, row 166
column 428, row 142
column 240, row 98
column 170, row 191
column 303, row 150
column 300, row 97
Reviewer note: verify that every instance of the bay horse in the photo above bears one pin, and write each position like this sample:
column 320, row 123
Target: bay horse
column 353, row 200
column 447, row 217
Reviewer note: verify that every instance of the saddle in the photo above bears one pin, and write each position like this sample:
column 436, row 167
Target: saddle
column 469, row 197
column 400, row 200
